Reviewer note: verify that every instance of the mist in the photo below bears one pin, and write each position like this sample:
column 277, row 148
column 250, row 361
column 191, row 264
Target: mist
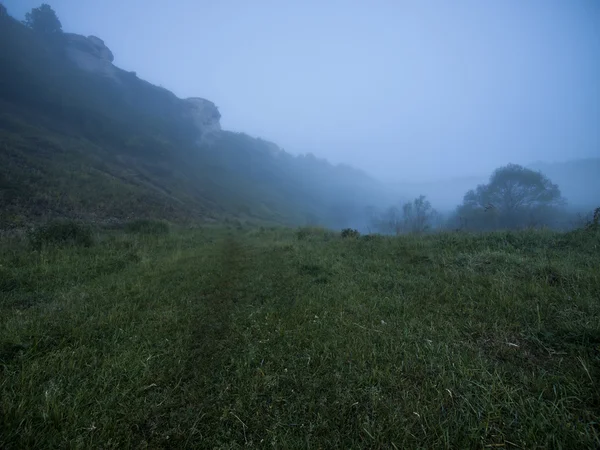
column 350, row 225
column 428, row 99
column 408, row 91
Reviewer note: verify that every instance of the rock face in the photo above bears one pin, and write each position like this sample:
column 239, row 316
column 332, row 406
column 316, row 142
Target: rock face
column 92, row 55
column 101, row 50
column 205, row 116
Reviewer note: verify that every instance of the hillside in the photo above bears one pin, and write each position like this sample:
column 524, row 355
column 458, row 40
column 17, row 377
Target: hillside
column 82, row 138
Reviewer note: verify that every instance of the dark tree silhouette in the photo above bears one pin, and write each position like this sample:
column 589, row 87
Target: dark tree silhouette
column 43, row 20
column 513, row 187
column 515, row 196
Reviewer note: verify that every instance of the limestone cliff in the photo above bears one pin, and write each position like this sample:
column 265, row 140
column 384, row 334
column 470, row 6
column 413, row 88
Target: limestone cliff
column 205, row 115
column 92, row 55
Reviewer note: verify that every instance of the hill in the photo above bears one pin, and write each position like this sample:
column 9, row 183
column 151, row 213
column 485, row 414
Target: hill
column 82, row 138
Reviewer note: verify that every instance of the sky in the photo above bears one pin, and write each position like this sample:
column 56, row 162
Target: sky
column 407, row 90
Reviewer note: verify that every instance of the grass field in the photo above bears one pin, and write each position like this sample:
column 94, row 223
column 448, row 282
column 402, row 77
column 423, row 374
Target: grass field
column 217, row 338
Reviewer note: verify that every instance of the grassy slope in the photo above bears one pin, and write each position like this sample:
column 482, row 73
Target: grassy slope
column 219, row 337
column 75, row 144
column 44, row 174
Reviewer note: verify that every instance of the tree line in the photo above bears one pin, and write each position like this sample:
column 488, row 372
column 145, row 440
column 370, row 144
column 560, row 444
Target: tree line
column 514, row 198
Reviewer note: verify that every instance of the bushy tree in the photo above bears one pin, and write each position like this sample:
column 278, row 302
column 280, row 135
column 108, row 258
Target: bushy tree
column 514, row 197
column 43, row 20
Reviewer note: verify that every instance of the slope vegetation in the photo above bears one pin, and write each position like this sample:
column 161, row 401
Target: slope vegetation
column 80, row 144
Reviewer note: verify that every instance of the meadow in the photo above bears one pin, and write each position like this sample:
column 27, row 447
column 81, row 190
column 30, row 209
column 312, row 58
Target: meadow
column 216, row 337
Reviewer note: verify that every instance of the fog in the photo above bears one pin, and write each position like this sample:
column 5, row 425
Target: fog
column 411, row 92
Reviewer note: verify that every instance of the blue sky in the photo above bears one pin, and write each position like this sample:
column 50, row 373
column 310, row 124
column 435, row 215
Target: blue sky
column 408, row 90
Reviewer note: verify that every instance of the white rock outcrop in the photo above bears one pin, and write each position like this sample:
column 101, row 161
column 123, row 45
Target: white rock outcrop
column 90, row 54
column 205, row 116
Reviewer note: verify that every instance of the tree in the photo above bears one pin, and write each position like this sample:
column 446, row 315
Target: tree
column 515, row 196
column 3, row 12
column 43, row 20
column 418, row 215
column 414, row 217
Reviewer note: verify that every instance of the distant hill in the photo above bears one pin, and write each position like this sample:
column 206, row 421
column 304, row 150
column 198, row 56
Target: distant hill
column 82, row 138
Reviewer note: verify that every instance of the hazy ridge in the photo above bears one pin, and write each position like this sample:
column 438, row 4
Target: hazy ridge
column 81, row 144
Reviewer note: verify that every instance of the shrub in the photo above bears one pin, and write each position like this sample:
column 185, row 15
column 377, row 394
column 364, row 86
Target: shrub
column 594, row 224
column 147, row 226
column 350, row 233
column 62, row 233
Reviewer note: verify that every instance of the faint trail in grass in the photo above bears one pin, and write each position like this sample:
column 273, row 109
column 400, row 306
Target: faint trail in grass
column 211, row 343
column 219, row 298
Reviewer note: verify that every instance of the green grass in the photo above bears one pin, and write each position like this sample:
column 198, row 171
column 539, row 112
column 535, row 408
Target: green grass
column 225, row 338
column 146, row 226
